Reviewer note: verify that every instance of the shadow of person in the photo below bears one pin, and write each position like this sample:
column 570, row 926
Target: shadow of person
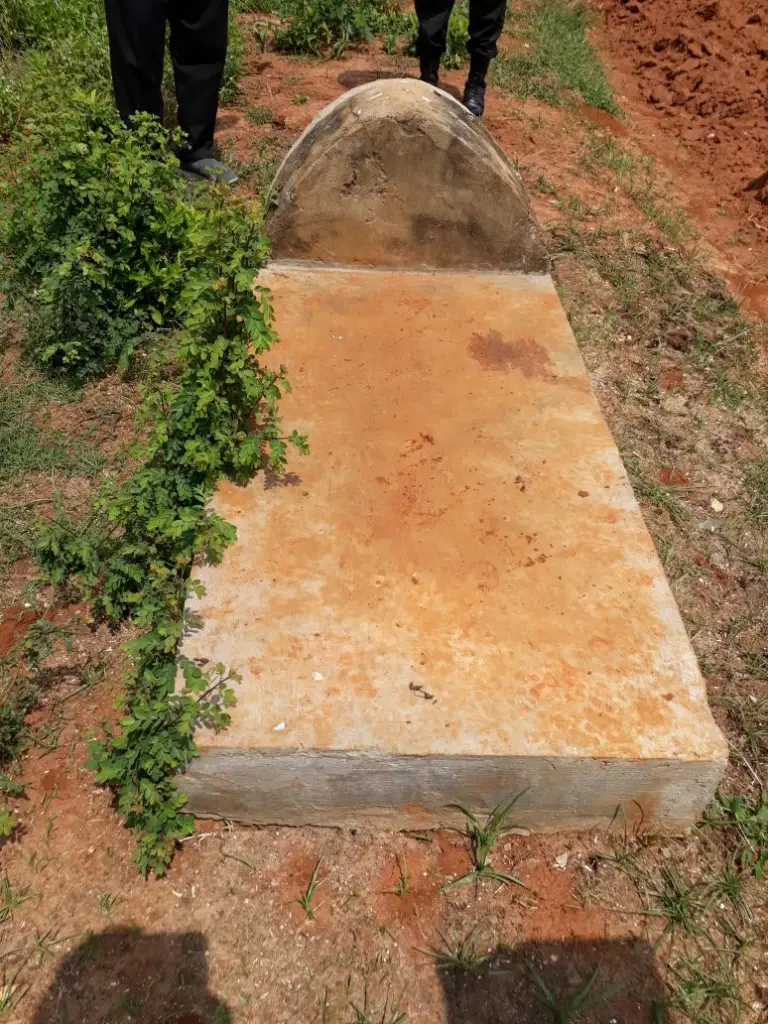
column 760, row 186
column 548, row 982
column 123, row 973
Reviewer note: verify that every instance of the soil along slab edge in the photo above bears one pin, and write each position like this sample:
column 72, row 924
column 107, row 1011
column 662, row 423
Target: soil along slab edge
column 454, row 597
column 397, row 173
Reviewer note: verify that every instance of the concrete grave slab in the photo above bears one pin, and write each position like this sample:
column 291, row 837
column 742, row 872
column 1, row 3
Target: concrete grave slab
column 397, row 173
column 454, row 597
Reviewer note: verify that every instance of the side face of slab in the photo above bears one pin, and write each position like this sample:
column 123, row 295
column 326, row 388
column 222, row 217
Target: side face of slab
column 454, row 596
column 397, row 173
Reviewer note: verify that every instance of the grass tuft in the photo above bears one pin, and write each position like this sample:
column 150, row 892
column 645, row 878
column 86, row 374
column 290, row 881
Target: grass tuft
column 482, row 840
column 563, row 1012
column 460, row 956
column 745, row 820
column 756, row 485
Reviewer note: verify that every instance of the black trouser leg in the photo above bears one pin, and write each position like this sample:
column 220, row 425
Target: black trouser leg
column 433, row 16
column 198, row 50
column 486, row 21
column 136, row 30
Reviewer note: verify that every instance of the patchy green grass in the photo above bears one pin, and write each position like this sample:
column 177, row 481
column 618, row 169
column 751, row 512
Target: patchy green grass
column 553, row 56
column 30, row 445
column 27, row 443
column 756, row 486
column 674, row 364
column 260, row 115
column 259, row 172
column 744, row 820
column 663, row 497
column 636, row 175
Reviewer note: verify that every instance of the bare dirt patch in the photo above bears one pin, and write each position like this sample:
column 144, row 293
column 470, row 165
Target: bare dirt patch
column 694, row 76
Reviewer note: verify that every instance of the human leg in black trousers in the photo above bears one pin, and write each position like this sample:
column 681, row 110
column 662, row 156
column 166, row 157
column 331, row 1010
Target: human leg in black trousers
column 198, row 48
column 198, row 45
column 136, row 30
column 486, row 21
column 433, row 17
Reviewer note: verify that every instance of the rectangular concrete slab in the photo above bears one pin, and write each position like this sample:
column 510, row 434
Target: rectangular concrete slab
column 454, row 597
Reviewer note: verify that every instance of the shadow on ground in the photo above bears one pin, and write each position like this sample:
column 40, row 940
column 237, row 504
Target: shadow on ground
column 550, row 982
column 123, row 974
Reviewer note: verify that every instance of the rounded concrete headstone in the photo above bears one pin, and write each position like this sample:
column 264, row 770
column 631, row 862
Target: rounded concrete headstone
column 397, row 173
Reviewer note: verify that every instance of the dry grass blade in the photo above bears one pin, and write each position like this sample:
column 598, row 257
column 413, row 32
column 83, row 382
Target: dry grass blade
column 364, row 1015
column 11, row 899
column 402, row 885
column 11, row 993
column 305, row 900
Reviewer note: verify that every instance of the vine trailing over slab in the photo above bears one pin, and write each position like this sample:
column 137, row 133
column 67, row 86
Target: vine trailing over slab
column 213, row 415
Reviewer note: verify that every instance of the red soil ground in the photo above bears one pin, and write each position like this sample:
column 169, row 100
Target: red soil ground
column 693, row 74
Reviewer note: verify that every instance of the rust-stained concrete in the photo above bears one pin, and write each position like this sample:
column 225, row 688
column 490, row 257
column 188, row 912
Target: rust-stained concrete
column 399, row 174
column 454, row 597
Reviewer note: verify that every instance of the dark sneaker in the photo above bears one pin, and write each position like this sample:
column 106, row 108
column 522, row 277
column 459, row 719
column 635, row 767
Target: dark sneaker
column 430, row 69
column 209, row 169
column 474, row 97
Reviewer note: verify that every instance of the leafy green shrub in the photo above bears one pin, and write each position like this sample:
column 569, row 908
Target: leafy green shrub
column 95, row 235
column 396, row 27
column 214, row 415
column 325, row 27
column 26, row 23
column 55, row 49
column 458, row 32
column 233, row 65
column 328, row 27
column 456, row 54
column 10, row 102
column 747, row 820
column 62, row 47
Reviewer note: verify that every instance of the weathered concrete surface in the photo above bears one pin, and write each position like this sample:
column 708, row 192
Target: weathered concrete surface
column 455, row 597
column 398, row 174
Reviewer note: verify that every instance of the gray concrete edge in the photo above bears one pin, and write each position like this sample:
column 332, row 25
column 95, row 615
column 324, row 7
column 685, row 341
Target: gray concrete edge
column 539, row 279
column 340, row 788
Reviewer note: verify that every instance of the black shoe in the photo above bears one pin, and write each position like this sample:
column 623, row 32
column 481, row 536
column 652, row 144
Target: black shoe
column 474, row 97
column 209, row 169
column 430, row 70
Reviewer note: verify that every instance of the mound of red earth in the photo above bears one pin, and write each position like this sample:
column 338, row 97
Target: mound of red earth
column 704, row 64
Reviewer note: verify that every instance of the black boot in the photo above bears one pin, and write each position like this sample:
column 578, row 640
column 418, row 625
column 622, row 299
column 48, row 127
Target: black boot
column 430, row 68
column 474, row 90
